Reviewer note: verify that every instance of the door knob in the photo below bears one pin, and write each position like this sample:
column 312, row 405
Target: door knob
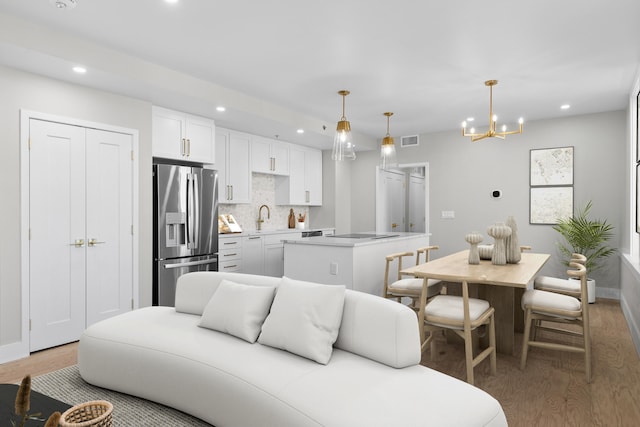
column 78, row 243
column 93, row 242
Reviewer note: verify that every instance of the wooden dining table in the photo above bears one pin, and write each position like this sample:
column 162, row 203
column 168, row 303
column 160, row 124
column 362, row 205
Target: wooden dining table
column 497, row 284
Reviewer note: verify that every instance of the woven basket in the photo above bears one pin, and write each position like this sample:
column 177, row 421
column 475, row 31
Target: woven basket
column 96, row 413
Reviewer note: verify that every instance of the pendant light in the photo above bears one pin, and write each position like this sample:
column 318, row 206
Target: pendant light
column 342, row 142
column 388, row 149
column 491, row 133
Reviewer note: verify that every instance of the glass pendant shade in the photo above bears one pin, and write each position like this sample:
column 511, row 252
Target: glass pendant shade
column 343, row 147
column 342, row 142
column 388, row 157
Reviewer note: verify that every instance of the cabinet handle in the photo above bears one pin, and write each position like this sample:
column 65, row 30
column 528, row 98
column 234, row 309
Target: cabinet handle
column 229, row 254
column 231, row 192
column 255, row 237
column 230, row 266
column 188, row 147
column 394, row 225
column 307, row 196
column 183, row 146
column 230, row 243
column 273, row 164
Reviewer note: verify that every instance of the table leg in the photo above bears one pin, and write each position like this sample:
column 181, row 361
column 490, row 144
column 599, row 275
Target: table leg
column 501, row 299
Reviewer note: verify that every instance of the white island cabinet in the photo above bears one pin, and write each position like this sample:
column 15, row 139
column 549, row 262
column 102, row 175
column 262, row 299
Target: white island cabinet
column 356, row 261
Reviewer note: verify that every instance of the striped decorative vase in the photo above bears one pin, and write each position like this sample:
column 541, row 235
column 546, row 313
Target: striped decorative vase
column 512, row 245
column 473, row 239
column 499, row 231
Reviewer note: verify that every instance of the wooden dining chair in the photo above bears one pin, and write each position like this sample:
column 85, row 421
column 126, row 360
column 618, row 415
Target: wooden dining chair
column 558, row 309
column 410, row 286
column 462, row 315
column 569, row 287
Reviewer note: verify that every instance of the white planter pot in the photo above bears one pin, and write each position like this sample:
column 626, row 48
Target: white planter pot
column 591, row 290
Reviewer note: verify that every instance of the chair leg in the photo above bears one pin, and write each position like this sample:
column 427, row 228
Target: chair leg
column 525, row 338
column 587, row 349
column 492, row 343
column 468, row 353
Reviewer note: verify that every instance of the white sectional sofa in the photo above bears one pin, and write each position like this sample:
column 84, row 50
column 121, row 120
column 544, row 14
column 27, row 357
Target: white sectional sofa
column 371, row 378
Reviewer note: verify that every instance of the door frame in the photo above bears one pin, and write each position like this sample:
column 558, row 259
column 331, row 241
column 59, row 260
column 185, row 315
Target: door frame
column 22, row 348
column 426, row 191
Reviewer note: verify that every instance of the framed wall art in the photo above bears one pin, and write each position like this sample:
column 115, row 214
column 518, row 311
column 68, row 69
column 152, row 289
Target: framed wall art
column 551, row 185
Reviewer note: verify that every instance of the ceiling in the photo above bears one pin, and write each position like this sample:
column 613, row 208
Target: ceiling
column 277, row 66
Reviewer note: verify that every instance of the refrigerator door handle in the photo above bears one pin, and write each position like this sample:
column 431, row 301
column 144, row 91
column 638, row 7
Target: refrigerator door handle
column 196, row 211
column 190, row 263
column 189, row 215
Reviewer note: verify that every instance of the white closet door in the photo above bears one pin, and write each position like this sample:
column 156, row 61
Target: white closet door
column 392, row 201
column 417, row 214
column 109, row 239
column 57, row 226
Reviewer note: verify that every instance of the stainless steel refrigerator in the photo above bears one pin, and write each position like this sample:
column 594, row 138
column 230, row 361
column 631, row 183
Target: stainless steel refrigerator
column 185, row 236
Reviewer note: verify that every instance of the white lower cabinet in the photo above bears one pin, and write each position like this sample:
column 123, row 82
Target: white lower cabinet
column 261, row 254
column 230, row 254
column 253, row 258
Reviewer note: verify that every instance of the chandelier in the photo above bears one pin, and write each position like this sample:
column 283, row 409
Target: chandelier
column 388, row 149
column 491, row 133
column 342, row 142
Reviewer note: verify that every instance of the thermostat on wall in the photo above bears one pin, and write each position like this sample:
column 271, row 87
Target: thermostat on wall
column 496, row 194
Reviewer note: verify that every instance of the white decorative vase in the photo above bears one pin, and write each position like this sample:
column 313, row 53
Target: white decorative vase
column 511, row 242
column 473, row 239
column 499, row 231
column 485, row 251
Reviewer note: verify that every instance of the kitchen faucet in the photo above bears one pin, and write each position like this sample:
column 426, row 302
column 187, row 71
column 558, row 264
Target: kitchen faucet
column 260, row 220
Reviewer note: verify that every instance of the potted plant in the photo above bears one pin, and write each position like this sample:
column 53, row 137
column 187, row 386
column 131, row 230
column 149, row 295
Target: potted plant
column 588, row 237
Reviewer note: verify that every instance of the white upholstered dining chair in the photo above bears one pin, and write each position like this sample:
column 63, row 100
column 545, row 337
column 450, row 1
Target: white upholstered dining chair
column 410, row 286
column 551, row 307
column 462, row 315
column 568, row 286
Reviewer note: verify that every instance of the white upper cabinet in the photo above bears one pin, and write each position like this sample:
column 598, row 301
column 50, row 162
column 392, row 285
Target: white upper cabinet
column 234, row 174
column 181, row 136
column 303, row 186
column 269, row 156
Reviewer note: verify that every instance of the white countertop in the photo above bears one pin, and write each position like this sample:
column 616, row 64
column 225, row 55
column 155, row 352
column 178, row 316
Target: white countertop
column 352, row 242
column 267, row 232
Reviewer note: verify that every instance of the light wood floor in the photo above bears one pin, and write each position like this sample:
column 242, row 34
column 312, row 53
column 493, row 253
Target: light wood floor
column 550, row 392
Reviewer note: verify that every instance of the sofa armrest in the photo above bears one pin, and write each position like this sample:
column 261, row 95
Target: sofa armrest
column 379, row 329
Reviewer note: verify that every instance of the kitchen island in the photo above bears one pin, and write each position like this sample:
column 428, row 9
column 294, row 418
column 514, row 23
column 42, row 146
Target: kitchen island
column 354, row 260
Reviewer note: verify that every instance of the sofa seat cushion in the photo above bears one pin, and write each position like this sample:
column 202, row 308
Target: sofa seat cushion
column 161, row 355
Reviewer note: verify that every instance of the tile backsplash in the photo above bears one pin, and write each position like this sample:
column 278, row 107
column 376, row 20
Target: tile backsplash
column 263, row 192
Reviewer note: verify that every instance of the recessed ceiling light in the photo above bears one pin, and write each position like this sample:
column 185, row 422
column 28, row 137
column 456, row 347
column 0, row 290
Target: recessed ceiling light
column 300, row 131
column 565, row 106
column 63, row 4
column 80, row 70
column 221, row 109
column 470, row 119
column 171, row 1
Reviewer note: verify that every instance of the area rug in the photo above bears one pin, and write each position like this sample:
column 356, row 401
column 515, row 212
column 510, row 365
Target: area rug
column 68, row 386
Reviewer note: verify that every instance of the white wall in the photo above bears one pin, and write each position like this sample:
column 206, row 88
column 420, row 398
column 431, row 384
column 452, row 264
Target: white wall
column 27, row 91
column 463, row 174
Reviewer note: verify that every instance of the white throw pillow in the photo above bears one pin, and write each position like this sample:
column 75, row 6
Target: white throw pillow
column 238, row 309
column 304, row 319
